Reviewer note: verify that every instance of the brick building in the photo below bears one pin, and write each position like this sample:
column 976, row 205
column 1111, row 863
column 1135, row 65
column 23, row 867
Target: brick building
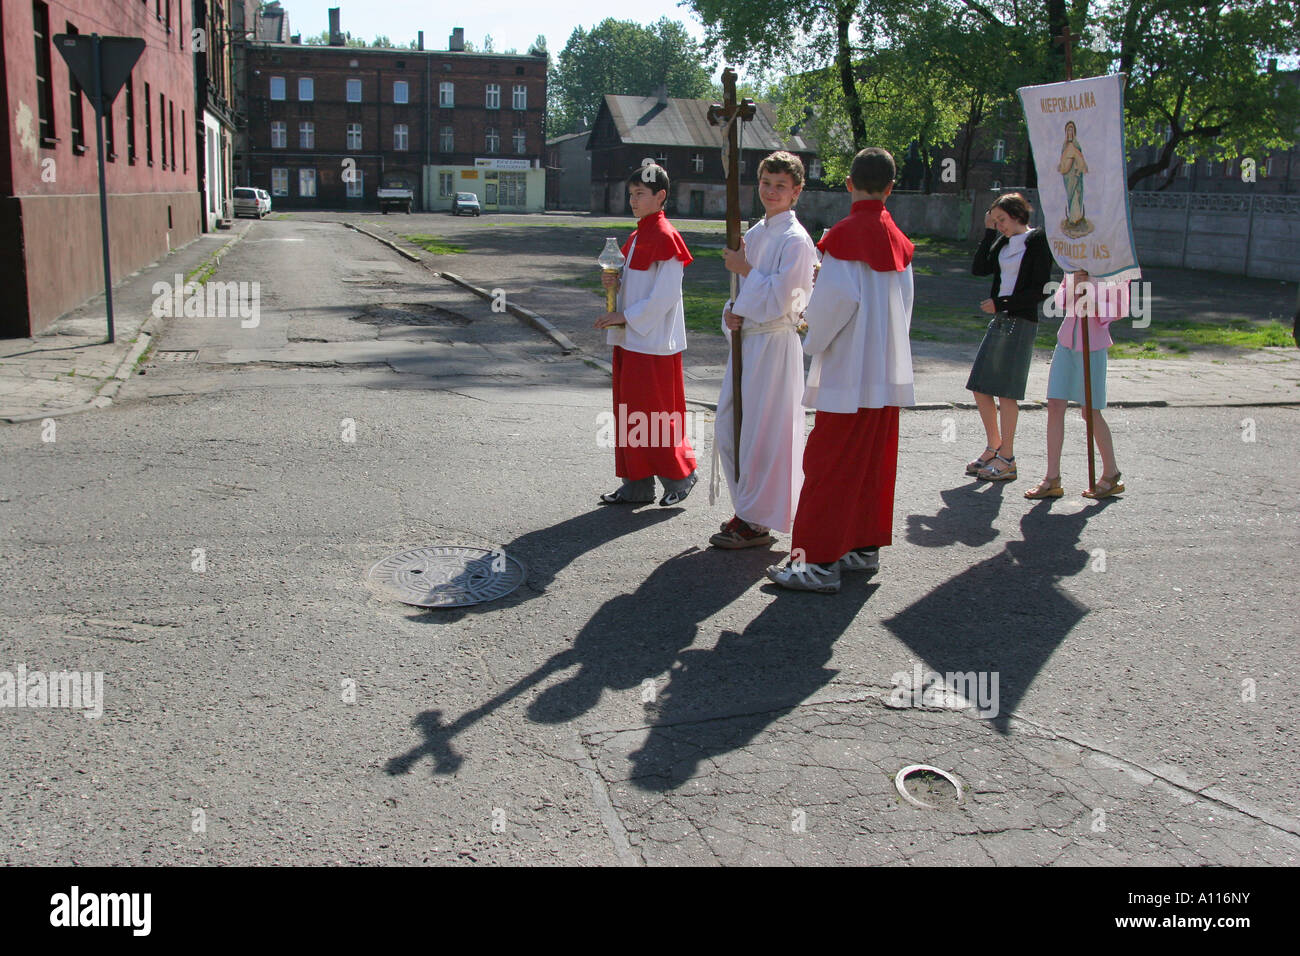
column 330, row 125
column 676, row 134
column 50, row 254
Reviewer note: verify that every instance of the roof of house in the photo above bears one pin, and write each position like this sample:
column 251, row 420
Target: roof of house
column 556, row 140
column 647, row 121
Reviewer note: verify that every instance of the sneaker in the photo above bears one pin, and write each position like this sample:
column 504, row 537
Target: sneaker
column 641, row 492
column 679, row 490
column 806, row 577
column 740, row 534
column 860, row 559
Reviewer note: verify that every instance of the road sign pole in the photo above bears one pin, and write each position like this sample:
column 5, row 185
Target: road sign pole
column 103, row 188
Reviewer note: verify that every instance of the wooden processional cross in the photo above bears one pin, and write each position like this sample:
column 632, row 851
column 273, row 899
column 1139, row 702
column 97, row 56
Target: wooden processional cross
column 1067, row 39
column 729, row 115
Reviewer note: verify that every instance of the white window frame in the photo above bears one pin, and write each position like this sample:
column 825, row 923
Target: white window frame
column 697, row 162
column 279, row 134
column 306, row 134
column 1000, row 151
column 278, row 81
column 492, row 96
column 1209, row 166
column 405, row 90
column 815, row 169
column 356, row 187
column 306, row 85
column 446, row 93
column 447, row 139
column 279, row 181
column 354, row 136
column 520, row 139
column 446, row 185
column 307, row 182
column 519, row 97
column 1268, row 166
column 354, row 87
column 401, row 137
column 492, row 140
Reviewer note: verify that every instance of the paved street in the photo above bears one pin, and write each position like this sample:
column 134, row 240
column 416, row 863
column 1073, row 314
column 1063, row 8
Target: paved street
column 204, row 542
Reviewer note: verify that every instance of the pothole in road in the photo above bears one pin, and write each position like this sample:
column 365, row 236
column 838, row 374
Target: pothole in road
column 928, row 787
column 415, row 313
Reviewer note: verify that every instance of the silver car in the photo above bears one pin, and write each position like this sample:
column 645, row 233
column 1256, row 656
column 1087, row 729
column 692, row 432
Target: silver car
column 247, row 202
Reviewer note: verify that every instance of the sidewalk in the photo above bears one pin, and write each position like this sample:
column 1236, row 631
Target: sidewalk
column 69, row 367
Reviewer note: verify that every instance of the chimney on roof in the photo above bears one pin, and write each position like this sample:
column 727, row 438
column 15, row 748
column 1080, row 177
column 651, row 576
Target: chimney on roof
column 419, row 40
column 296, row 38
column 661, row 94
column 336, row 36
column 457, row 39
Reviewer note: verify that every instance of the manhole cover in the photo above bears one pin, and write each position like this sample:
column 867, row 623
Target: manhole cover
column 928, row 787
column 176, row 355
column 447, row 576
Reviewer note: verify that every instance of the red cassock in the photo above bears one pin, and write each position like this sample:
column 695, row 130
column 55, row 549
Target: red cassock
column 858, row 317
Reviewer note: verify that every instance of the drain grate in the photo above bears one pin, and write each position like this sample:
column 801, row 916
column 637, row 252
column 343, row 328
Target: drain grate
column 447, row 576
column 176, row 355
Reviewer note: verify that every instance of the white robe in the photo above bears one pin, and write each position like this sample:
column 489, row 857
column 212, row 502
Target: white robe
column 859, row 323
column 770, row 299
column 651, row 300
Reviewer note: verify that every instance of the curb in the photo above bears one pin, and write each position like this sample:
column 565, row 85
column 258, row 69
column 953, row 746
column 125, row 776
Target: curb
column 539, row 322
column 390, row 244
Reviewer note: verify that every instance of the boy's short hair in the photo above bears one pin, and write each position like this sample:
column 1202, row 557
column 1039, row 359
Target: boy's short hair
column 1014, row 205
column 873, row 169
column 783, row 162
column 651, row 175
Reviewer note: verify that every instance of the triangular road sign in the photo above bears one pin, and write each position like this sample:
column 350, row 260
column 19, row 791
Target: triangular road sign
column 117, row 57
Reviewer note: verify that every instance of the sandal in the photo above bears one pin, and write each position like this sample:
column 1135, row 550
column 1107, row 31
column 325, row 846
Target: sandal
column 1106, row 487
column 740, row 534
column 973, row 467
column 991, row 471
column 1047, row 488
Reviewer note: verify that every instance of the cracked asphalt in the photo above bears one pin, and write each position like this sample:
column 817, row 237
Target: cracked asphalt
column 640, row 699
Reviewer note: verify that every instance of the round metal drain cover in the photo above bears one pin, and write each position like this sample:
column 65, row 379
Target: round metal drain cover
column 447, row 576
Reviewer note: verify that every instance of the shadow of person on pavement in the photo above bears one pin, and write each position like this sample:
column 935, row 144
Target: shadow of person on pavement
column 631, row 637
column 720, row 699
column 966, row 517
column 1005, row 616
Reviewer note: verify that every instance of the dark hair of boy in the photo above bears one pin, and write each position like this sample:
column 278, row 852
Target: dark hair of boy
column 651, row 175
column 783, row 162
column 1015, row 206
column 873, row 169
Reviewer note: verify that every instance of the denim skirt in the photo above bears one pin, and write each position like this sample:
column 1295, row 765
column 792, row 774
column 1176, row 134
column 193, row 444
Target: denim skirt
column 1002, row 363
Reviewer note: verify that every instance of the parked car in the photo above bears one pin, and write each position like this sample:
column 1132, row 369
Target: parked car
column 466, row 203
column 265, row 198
column 247, row 202
column 395, row 195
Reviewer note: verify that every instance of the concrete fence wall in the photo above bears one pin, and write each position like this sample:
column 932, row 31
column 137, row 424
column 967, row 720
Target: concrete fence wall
column 932, row 215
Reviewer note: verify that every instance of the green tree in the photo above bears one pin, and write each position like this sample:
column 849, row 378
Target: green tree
column 622, row 57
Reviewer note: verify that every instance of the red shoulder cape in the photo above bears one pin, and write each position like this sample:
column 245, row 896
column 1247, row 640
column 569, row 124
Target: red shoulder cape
column 656, row 240
column 868, row 234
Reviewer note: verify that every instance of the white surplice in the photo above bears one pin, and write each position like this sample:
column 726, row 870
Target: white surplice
column 651, row 301
column 770, row 299
column 859, row 323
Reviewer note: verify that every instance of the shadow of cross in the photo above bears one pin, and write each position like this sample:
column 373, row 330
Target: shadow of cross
column 630, row 638
column 1005, row 615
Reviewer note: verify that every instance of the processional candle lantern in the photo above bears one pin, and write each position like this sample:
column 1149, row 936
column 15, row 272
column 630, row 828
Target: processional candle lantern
column 611, row 261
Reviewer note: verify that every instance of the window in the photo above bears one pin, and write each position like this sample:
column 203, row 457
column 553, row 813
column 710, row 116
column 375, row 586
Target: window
column 493, row 96
column 815, row 169
column 306, row 89
column 279, row 181
column 306, row 135
column 277, row 87
column 1228, row 168
column 356, row 184
column 1268, row 166
column 110, row 146
column 354, row 136
column 511, row 189
column 520, row 141
column 401, row 91
column 307, row 183
column 1186, row 171
column 1210, row 164
column 662, row 160
column 697, row 162
column 76, row 121
column 493, row 140
column 1000, row 151
column 130, row 120
column 148, row 126
column 354, row 91
column 185, row 147
column 279, row 134
column 169, row 16
column 996, row 184
column 520, row 97
column 446, row 94
column 447, row 140
column 44, row 82
column 171, row 122
column 162, row 131
column 400, row 134
column 446, row 184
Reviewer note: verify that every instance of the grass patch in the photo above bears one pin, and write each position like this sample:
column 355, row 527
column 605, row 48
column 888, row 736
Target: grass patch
column 704, row 311
column 941, row 246
column 439, row 247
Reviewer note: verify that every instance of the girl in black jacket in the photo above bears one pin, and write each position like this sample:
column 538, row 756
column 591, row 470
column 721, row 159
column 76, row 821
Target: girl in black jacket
column 1021, row 263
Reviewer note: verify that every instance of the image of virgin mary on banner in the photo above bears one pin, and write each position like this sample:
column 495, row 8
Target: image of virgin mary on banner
column 1077, row 133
